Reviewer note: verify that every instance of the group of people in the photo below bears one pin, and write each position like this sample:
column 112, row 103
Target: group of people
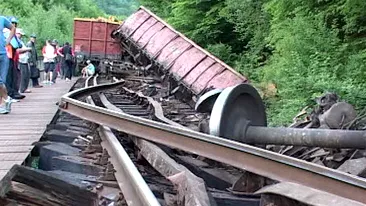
column 18, row 63
column 58, row 61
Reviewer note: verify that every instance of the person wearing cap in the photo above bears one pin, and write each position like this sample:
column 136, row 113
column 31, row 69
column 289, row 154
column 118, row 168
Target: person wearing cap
column 89, row 70
column 13, row 72
column 33, row 58
column 23, row 57
column 5, row 100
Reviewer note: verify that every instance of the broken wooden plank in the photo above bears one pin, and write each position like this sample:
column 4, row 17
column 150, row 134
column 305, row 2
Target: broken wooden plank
column 5, row 182
column 191, row 189
column 69, row 193
column 26, row 195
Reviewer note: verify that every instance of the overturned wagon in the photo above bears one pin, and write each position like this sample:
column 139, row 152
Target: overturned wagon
column 239, row 113
column 155, row 44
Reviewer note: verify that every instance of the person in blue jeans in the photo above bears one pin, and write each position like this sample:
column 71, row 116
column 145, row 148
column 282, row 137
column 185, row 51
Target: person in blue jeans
column 13, row 73
column 5, row 100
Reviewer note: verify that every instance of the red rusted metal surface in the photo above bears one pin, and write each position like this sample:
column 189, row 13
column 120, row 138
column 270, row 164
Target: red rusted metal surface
column 144, row 40
column 159, row 41
column 206, row 76
column 186, row 61
column 198, row 70
column 224, row 79
column 92, row 39
column 133, row 22
column 172, row 51
column 143, row 28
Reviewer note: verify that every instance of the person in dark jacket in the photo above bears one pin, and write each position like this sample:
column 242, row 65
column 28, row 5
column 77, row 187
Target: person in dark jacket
column 56, row 72
column 33, row 58
column 68, row 55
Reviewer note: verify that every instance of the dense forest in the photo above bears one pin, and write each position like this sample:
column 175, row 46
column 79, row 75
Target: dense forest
column 49, row 19
column 53, row 19
column 293, row 51
column 118, row 8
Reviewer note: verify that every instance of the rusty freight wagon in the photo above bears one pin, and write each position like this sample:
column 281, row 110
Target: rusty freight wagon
column 92, row 40
column 144, row 35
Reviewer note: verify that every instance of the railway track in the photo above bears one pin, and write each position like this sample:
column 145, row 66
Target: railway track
column 146, row 111
column 135, row 119
column 150, row 145
column 189, row 189
column 135, row 189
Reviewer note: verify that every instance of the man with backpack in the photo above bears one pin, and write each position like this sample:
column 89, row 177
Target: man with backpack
column 68, row 55
column 56, row 72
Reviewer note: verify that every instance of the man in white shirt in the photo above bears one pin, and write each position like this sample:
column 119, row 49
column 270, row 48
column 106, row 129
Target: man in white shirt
column 49, row 55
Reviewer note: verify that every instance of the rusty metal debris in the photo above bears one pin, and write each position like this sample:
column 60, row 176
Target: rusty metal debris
column 294, row 194
column 248, row 183
column 251, row 159
column 355, row 167
column 191, row 189
column 330, row 112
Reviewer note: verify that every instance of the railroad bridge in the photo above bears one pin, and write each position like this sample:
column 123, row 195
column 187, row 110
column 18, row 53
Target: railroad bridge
column 165, row 122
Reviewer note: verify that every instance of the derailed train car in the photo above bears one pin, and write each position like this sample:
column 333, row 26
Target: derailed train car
column 92, row 40
column 153, row 47
column 154, row 44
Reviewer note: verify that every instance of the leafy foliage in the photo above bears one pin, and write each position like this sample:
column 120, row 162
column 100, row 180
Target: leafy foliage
column 121, row 8
column 162, row 7
column 49, row 19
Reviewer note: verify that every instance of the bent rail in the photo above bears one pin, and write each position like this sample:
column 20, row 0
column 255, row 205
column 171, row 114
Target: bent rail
column 133, row 186
column 246, row 157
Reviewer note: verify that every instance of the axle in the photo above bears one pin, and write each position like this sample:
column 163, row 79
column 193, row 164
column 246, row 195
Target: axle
column 238, row 113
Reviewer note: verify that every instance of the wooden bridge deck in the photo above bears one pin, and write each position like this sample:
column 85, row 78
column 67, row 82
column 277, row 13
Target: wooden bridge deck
column 27, row 122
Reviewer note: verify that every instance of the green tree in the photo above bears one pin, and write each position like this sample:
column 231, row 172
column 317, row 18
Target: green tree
column 49, row 19
column 121, row 8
